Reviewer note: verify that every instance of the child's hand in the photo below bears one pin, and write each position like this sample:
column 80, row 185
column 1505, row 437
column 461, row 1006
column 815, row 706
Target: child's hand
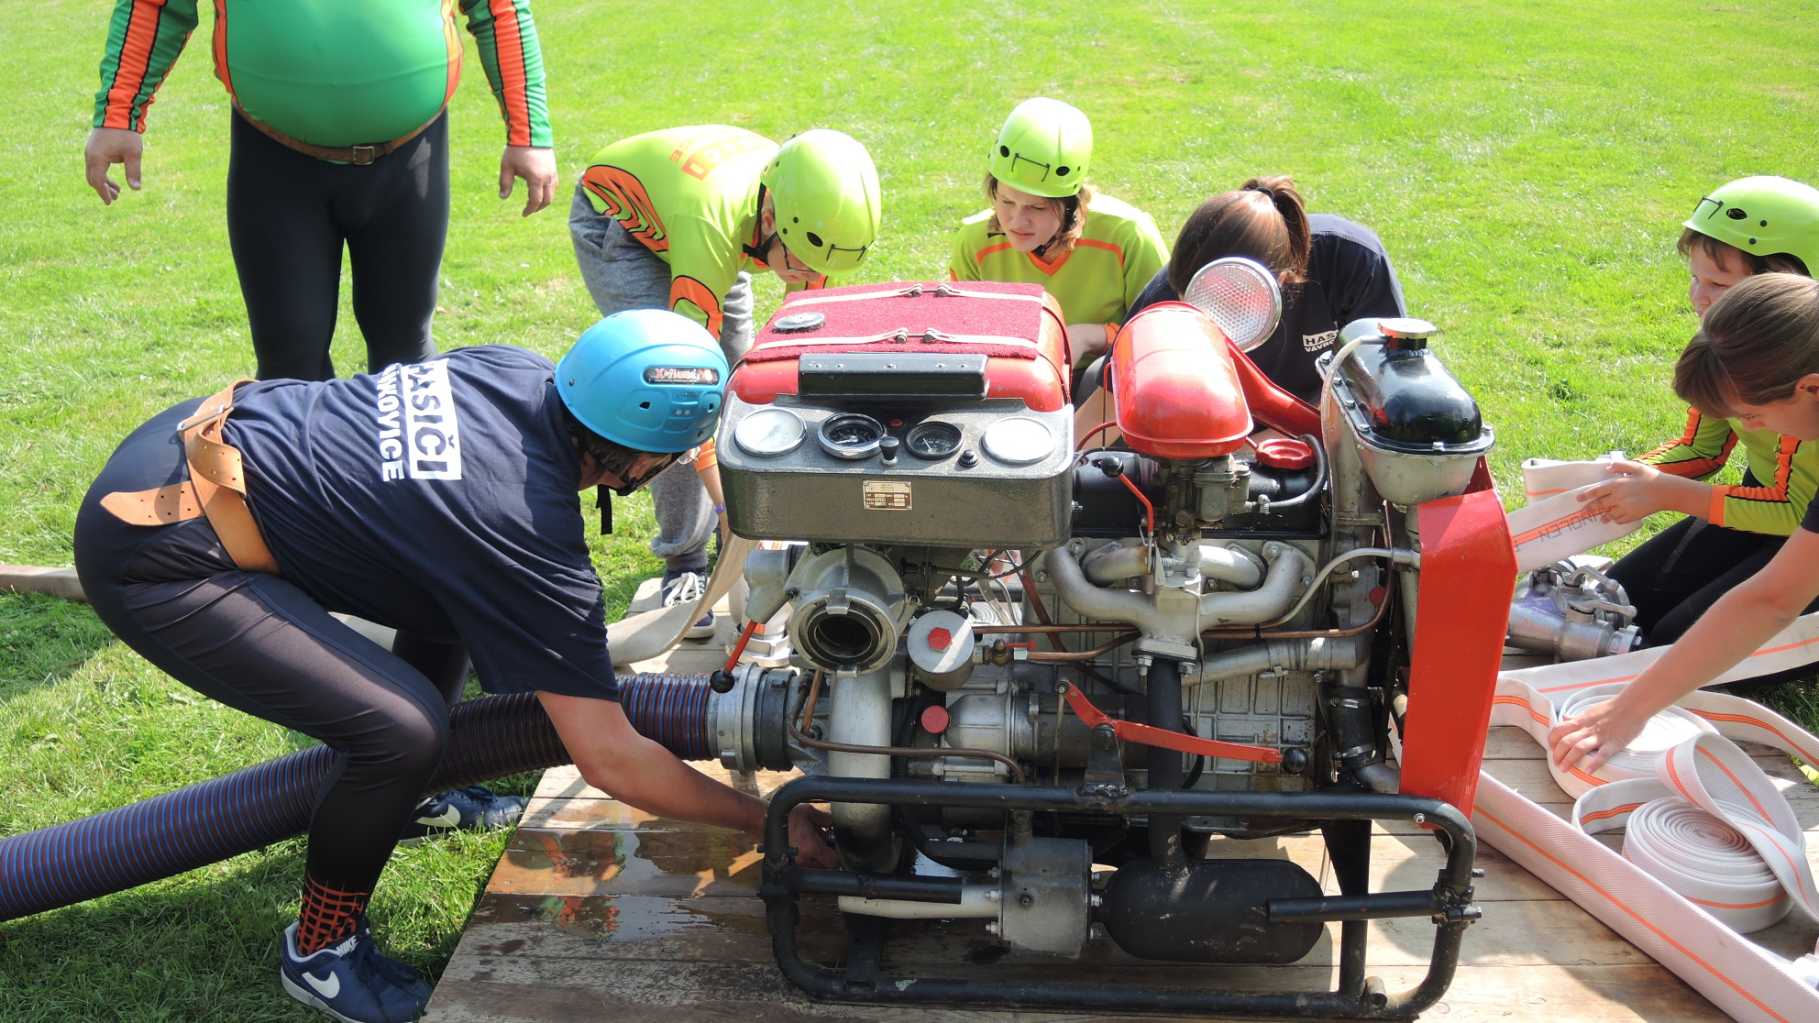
column 1592, row 738
column 1632, row 492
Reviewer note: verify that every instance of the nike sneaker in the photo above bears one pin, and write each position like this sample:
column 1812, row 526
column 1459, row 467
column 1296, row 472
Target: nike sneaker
column 685, row 588
column 351, row 981
column 473, row 808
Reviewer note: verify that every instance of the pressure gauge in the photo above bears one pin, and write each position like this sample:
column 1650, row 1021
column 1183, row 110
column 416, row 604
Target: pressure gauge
column 1018, row 441
column 769, row 432
column 933, row 440
column 851, row 436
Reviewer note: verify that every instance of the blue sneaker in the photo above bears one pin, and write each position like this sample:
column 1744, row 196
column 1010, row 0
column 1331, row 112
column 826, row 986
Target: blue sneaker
column 351, row 981
column 474, row 808
column 683, row 588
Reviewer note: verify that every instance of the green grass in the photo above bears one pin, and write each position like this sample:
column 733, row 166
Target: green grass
column 1526, row 164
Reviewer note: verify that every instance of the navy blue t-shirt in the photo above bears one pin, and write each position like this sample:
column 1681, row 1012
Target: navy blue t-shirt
column 1348, row 276
column 438, row 498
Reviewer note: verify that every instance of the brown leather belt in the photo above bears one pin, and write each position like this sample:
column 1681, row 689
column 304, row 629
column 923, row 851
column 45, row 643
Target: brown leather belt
column 359, row 156
column 216, row 488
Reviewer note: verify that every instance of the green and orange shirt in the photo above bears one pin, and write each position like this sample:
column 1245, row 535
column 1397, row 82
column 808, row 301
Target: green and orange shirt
column 690, row 195
column 1096, row 280
column 1786, row 471
column 331, row 72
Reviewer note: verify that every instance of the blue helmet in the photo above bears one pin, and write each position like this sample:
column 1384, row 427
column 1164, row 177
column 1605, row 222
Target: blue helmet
column 645, row 379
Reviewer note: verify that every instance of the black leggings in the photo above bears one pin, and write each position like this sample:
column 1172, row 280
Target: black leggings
column 288, row 216
column 261, row 645
column 1682, row 571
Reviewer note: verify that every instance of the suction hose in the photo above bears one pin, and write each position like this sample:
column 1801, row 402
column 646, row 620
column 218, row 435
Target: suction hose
column 256, row 806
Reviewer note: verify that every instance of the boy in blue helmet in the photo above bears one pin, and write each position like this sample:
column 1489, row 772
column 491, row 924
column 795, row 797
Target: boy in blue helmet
column 440, row 499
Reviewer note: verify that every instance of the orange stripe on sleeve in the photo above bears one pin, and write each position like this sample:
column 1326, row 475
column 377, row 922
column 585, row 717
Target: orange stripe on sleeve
column 1695, row 467
column 509, row 46
column 1777, row 494
column 699, row 295
column 135, row 61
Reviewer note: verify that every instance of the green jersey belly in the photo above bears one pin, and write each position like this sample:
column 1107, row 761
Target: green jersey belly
column 340, row 72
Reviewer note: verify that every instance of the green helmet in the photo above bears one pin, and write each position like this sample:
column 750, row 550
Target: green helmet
column 1763, row 216
column 1043, row 148
column 824, row 193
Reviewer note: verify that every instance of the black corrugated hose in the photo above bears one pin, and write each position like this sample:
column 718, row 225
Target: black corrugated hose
column 254, row 807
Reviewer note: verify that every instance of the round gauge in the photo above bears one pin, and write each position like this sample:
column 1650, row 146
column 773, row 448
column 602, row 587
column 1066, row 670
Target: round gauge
column 851, row 435
column 769, row 432
column 933, row 440
column 1018, row 441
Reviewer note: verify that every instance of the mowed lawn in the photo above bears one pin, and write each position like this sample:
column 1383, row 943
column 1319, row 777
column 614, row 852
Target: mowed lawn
column 1526, row 164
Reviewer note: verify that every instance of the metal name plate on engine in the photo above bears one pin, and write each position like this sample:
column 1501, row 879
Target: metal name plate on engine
column 885, row 495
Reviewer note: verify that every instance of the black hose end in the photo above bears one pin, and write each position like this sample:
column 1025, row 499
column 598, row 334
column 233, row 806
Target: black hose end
column 1294, row 761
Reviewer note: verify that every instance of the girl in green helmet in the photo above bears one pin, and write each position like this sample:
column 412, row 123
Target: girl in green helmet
column 1046, row 226
column 1755, row 361
column 1745, row 228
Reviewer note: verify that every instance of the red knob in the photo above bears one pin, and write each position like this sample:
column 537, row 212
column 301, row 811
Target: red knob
column 934, row 719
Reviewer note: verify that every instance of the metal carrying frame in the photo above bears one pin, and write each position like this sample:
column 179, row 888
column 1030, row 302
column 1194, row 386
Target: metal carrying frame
column 1344, row 818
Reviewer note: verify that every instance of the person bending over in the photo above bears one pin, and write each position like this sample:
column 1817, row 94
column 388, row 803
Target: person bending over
column 441, row 499
column 677, row 219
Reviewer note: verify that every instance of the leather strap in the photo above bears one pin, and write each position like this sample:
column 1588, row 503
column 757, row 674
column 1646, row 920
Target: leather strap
column 359, row 156
column 216, row 488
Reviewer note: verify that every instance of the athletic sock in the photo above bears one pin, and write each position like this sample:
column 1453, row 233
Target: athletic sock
column 328, row 915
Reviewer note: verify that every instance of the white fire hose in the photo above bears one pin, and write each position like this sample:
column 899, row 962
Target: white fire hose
column 1712, row 850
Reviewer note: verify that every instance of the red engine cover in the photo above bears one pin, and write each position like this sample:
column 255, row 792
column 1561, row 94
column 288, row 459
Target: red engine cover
column 1018, row 327
column 1178, row 393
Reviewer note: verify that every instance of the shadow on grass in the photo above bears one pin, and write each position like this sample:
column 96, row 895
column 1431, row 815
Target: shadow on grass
column 43, row 640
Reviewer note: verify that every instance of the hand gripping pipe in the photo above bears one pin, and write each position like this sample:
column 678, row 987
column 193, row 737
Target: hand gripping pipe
column 254, row 807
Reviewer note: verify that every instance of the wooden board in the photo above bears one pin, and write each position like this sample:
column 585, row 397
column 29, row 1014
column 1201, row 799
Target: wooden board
column 600, row 911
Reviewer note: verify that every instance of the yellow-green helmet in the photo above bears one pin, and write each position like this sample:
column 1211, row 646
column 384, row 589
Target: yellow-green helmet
column 1763, row 216
column 824, row 193
column 1043, row 148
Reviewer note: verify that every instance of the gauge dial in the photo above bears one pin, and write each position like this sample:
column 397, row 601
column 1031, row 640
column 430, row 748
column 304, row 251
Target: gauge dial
column 851, row 435
column 769, row 432
column 933, row 440
column 1018, row 441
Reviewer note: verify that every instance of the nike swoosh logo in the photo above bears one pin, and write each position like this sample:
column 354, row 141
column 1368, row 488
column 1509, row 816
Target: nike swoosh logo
column 326, row 988
column 448, row 818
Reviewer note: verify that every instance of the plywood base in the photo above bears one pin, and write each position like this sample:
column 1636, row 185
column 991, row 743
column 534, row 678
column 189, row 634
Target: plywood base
column 600, row 911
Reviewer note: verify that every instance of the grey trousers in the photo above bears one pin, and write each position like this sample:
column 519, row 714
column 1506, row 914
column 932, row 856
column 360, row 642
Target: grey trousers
column 620, row 274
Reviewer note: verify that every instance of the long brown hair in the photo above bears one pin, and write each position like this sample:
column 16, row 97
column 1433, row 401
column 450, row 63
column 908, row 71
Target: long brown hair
column 1264, row 219
column 1073, row 217
column 1757, row 342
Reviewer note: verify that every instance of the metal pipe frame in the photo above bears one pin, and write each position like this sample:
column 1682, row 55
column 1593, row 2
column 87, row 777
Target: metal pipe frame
column 1449, row 902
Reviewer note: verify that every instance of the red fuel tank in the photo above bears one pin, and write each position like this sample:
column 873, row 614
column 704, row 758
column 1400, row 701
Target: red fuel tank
column 1018, row 327
column 1179, row 395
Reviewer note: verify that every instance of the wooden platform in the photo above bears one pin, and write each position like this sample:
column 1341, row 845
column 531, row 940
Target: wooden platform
column 598, row 911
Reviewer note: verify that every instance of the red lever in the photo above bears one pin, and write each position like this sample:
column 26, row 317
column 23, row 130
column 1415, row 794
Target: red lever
column 1149, row 735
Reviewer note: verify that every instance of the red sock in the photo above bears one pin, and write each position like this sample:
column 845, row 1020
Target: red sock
column 328, row 915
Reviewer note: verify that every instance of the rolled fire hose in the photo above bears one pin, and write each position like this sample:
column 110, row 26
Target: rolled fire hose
column 1625, row 891
column 252, row 808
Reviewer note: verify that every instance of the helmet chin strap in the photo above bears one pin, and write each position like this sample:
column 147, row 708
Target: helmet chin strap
column 603, row 500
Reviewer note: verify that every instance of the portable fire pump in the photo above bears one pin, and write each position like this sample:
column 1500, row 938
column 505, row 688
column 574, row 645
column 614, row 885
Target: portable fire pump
column 1047, row 681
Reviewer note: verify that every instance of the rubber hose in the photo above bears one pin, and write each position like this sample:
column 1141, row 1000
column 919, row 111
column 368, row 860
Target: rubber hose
column 256, row 806
column 1165, row 771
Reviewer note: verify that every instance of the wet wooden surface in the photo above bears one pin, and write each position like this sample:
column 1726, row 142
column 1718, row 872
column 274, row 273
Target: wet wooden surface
column 600, row 911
